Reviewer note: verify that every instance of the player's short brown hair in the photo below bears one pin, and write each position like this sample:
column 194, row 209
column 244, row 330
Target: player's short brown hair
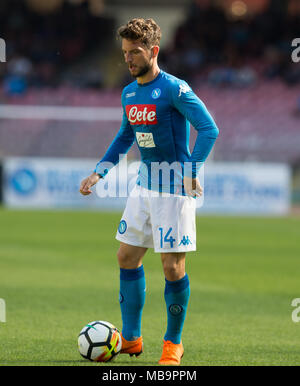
column 147, row 31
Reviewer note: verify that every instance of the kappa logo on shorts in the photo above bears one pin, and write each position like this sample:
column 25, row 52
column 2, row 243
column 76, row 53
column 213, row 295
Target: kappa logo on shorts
column 185, row 241
column 122, row 227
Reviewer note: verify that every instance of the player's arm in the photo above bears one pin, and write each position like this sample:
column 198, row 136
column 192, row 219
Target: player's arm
column 190, row 106
column 120, row 146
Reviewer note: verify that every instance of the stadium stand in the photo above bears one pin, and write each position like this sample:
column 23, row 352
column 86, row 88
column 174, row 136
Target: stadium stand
column 211, row 36
column 240, row 66
column 258, row 123
column 43, row 47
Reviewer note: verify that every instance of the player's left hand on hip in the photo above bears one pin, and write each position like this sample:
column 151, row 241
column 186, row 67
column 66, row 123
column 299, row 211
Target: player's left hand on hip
column 192, row 187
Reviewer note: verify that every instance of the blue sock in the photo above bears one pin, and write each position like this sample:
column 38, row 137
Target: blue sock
column 132, row 299
column 177, row 295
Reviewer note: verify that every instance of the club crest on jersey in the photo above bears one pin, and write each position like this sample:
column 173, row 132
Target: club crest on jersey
column 156, row 93
column 141, row 114
column 183, row 88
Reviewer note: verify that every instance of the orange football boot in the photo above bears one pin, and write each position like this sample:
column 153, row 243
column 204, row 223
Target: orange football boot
column 132, row 347
column 172, row 353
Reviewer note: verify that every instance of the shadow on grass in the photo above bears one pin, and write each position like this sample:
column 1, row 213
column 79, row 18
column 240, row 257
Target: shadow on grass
column 24, row 362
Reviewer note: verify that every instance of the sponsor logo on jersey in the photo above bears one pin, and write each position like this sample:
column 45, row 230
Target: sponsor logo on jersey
column 183, row 88
column 145, row 139
column 141, row 114
column 130, row 94
column 156, row 93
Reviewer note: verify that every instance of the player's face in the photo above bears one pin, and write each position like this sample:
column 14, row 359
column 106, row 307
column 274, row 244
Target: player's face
column 137, row 56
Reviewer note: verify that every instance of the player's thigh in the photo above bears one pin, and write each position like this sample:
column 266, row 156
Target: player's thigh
column 173, row 224
column 173, row 265
column 135, row 226
column 130, row 256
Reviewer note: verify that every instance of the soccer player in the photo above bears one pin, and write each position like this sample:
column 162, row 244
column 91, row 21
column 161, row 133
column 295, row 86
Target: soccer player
column 157, row 111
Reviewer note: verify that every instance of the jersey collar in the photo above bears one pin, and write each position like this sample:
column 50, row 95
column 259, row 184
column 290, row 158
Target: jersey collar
column 151, row 81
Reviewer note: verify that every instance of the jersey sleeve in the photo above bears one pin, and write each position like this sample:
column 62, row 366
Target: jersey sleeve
column 194, row 110
column 120, row 146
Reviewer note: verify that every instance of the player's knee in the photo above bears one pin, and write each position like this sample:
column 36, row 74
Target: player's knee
column 127, row 259
column 123, row 257
column 173, row 270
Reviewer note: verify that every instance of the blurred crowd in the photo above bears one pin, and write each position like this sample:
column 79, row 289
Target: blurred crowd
column 41, row 46
column 229, row 50
column 211, row 45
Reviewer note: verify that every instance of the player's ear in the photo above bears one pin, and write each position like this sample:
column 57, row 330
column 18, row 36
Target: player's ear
column 154, row 51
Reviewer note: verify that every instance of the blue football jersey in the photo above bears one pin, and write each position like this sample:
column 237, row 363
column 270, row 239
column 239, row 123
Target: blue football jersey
column 157, row 115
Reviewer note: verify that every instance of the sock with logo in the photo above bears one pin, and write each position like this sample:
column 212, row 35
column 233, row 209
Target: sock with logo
column 177, row 295
column 132, row 299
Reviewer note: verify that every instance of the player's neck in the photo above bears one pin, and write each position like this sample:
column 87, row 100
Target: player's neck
column 149, row 76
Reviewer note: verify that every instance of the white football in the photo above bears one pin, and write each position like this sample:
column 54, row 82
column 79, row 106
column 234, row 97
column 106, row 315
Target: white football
column 99, row 341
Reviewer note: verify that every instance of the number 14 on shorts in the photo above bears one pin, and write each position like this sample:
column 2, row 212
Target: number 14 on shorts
column 166, row 238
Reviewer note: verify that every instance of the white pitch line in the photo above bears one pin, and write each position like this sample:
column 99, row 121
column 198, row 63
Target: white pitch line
column 66, row 113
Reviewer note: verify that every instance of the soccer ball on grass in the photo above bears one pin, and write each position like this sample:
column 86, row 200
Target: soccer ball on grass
column 99, row 341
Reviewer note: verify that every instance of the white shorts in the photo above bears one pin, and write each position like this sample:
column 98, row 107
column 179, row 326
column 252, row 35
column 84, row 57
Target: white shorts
column 166, row 222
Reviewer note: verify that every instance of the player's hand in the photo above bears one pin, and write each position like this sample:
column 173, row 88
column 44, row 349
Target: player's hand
column 192, row 187
column 87, row 183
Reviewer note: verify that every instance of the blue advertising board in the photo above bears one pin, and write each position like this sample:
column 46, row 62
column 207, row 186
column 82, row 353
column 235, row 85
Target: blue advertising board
column 229, row 188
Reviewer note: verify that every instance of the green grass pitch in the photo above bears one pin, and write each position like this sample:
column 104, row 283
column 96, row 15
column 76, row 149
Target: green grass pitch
column 58, row 271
